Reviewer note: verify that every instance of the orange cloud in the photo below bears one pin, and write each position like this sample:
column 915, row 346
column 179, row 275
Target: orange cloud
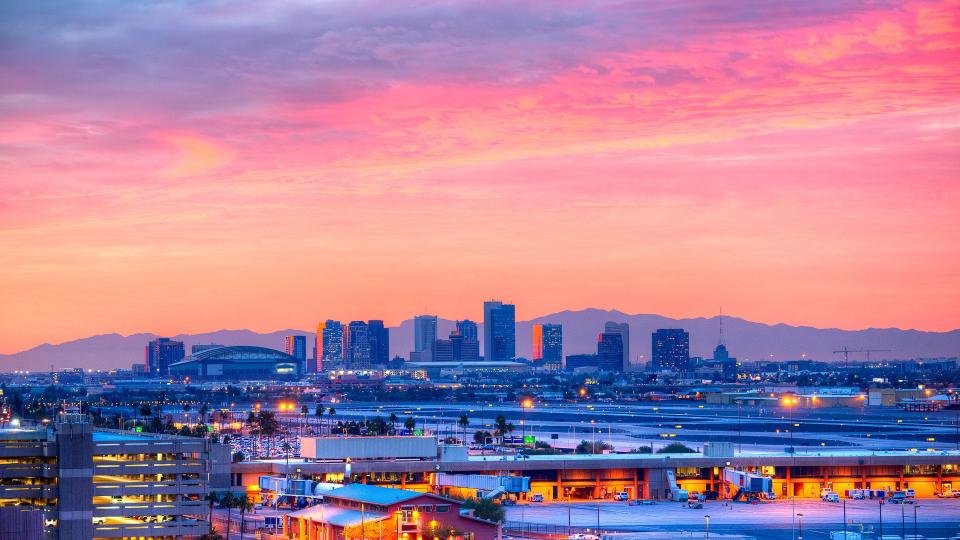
column 195, row 154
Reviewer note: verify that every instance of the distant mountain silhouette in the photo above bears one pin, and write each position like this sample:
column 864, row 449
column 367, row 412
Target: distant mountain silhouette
column 745, row 339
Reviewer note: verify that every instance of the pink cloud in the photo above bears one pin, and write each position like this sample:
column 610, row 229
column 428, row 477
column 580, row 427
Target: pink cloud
column 795, row 157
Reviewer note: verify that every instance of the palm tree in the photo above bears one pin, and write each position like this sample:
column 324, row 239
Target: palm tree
column 228, row 501
column 393, row 422
column 244, row 504
column 318, row 413
column 502, row 427
column 285, row 446
column 330, row 412
column 410, row 423
column 204, row 409
column 212, row 498
column 304, row 410
column 464, row 423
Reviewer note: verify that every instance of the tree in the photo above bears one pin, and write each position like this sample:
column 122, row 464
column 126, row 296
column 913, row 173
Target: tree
column 464, row 423
column 676, row 448
column 410, row 423
column 393, row 422
column 228, row 501
column 244, row 504
column 212, row 498
column 304, row 411
column 587, row 447
column 204, row 409
column 481, row 436
column 318, row 413
column 502, row 428
column 485, row 509
column 330, row 412
column 285, row 446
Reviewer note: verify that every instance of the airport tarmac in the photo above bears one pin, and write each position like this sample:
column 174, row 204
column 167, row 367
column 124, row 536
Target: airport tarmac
column 935, row 518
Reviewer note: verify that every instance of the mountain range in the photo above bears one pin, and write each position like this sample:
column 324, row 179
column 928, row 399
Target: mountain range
column 745, row 339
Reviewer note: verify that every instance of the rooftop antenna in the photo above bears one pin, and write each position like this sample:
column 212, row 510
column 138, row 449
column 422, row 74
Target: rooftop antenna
column 721, row 326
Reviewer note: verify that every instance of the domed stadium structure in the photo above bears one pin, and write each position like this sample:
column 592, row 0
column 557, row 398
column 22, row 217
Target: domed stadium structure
column 236, row 363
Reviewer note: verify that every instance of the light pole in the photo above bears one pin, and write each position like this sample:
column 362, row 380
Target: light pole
column 880, row 503
column 525, row 404
column 844, row 519
column 799, row 526
column 903, row 520
column 915, row 505
column 707, row 518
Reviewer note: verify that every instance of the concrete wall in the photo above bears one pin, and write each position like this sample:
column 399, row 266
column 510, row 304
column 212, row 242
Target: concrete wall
column 75, row 456
column 360, row 448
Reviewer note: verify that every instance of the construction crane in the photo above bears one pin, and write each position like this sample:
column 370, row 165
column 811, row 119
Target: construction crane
column 846, row 353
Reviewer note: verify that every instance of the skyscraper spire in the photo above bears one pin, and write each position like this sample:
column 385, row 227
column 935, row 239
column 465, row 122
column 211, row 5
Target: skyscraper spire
column 721, row 326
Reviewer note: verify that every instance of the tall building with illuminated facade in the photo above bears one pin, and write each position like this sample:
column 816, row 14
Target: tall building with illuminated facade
column 296, row 346
column 671, row 349
column 356, row 346
column 162, row 352
column 548, row 345
column 329, row 345
column 499, row 331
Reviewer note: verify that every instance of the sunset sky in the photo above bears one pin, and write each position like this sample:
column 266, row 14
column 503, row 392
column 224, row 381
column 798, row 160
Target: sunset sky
column 189, row 166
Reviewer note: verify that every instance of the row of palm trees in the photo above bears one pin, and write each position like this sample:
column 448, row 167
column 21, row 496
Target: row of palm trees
column 229, row 501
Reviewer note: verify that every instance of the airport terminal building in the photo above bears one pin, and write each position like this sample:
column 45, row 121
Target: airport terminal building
column 435, row 468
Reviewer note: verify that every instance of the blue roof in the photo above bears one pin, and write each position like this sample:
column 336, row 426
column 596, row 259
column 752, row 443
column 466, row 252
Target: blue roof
column 373, row 494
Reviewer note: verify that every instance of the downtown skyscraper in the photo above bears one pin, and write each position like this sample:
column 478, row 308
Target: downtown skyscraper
column 329, row 345
column 548, row 345
column 624, row 330
column 160, row 353
column 356, row 346
column 499, row 331
column 296, row 346
column 671, row 349
column 379, row 342
column 424, row 334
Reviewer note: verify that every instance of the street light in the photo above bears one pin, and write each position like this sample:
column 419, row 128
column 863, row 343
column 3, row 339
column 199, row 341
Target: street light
column 525, row 404
column 799, row 526
column 789, row 403
column 707, row 518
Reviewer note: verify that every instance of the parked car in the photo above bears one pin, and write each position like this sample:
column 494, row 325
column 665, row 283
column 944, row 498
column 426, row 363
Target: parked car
column 695, row 505
column 898, row 497
column 642, row 502
column 621, row 496
column 536, row 497
column 910, row 493
column 830, row 497
column 770, row 496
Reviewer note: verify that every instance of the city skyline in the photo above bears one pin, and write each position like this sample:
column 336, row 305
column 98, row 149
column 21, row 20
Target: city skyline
column 794, row 162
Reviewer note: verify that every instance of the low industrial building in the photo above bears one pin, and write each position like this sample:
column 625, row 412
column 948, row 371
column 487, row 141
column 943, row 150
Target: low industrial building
column 556, row 477
column 366, row 511
column 88, row 483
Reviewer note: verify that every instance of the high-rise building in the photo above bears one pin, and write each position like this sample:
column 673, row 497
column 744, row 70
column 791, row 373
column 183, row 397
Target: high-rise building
column 162, row 352
column 356, row 346
column 455, row 349
column 624, row 330
column 296, row 346
column 548, row 345
column 379, row 342
column 671, row 349
column 330, row 345
column 467, row 329
column 728, row 364
column 610, row 351
column 499, row 331
column 424, row 334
